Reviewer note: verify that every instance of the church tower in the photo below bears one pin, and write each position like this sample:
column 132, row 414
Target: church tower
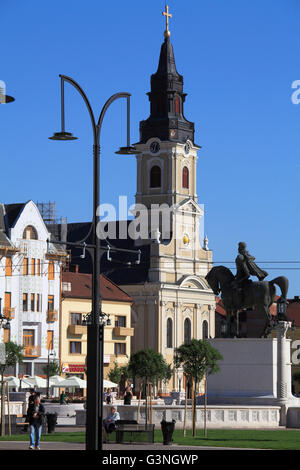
column 175, row 304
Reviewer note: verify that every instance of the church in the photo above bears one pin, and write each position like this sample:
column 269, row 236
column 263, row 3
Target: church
column 172, row 301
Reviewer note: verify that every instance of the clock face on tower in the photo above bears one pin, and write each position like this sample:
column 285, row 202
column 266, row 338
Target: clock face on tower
column 154, row 147
column 187, row 148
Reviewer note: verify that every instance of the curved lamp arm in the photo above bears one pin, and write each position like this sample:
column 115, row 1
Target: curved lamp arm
column 96, row 128
column 70, row 80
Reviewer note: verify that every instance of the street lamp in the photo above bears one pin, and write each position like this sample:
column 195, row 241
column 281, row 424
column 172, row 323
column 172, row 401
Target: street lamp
column 52, row 353
column 95, row 326
column 281, row 309
column 3, row 97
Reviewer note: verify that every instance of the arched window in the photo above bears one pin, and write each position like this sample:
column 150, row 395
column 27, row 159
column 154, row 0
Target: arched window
column 185, row 177
column 155, row 177
column 187, row 331
column 176, row 105
column 169, row 333
column 30, row 233
column 205, row 330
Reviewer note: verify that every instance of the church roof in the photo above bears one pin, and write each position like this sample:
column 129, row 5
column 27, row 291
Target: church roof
column 166, row 121
column 122, row 269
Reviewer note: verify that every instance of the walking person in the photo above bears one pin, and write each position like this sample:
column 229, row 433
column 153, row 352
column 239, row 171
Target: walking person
column 36, row 416
column 127, row 396
column 30, row 403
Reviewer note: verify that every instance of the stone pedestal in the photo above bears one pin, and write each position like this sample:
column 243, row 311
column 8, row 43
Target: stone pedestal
column 253, row 371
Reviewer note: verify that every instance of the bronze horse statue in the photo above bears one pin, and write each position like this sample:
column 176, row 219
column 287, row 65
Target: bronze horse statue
column 253, row 295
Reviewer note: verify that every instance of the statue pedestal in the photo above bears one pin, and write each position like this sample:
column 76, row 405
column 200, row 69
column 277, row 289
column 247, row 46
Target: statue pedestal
column 253, row 371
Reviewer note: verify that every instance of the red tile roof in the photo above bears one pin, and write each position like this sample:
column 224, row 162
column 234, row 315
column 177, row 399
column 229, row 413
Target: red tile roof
column 81, row 288
column 293, row 312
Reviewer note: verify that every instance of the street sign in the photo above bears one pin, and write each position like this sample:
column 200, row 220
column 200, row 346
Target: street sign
column 2, row 353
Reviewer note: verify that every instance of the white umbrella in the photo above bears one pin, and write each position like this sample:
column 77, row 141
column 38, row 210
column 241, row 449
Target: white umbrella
column 12, row 381
column 37, row 381
column 108, row 384
column 24, row 383
column 74, row 382
column 55, row 380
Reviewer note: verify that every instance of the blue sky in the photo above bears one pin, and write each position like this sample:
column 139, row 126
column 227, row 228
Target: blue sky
column 239, row 59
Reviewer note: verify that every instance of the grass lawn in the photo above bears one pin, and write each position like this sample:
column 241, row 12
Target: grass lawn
column 239, row 438
column 256, row 439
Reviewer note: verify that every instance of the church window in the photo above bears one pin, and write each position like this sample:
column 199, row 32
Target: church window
column 187, row 331
column 185, row 177
column 176, row 105
column 205, row 330
column 30, row 233
column 155, row 177
column 169, row 333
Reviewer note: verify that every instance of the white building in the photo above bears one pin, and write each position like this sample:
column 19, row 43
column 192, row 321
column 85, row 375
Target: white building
column 30, row 273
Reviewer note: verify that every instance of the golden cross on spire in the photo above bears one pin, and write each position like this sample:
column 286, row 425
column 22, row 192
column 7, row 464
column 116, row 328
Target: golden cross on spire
column 167, row 15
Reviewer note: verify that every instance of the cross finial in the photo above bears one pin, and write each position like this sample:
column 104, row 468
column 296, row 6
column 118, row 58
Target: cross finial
column 167, row 15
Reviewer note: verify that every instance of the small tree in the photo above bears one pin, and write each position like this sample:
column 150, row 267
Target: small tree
column 149, row 366
column 13, row 355
column 54, row 369
column 198, row 358
column 115, row 374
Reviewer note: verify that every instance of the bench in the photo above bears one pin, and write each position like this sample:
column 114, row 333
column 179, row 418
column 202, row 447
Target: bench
column 131, row 431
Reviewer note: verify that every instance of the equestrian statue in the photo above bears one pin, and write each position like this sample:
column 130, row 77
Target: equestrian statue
column 239, row 292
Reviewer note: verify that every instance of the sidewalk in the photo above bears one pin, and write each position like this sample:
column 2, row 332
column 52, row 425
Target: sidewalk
column 71, row 446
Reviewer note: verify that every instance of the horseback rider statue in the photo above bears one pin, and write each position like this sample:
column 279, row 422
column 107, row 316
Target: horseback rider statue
column 239, row 292
column 245, row 267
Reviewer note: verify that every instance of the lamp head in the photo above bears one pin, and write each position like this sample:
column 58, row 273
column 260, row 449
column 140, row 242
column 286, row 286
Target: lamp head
column 6, row 99
column 127, row 151
column 63, row 136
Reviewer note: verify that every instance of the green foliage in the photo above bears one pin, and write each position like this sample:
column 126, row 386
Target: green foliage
column 197, row 359
column 54, row 368
column 115, row 374
column 13, row 355
column 147, row 365
column 118, row 372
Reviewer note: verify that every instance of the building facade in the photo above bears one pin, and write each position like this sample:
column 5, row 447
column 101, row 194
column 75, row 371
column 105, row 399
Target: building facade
column 76, row 305
column 30, row 274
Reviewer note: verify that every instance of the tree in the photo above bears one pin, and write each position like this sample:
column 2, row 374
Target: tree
column 149, row 366
column 197, row 359
column 115, row 373
column 13, row 355
column 54, row 369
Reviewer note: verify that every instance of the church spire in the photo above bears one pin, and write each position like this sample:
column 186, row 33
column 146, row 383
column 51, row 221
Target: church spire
column 166, row 120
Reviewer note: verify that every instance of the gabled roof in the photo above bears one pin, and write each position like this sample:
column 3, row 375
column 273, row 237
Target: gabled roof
column 12, row 213
column 81, row 288
column 4, row 241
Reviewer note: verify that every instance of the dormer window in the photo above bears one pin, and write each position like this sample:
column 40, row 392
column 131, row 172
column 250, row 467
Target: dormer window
column 155, row 177
column 30, row 233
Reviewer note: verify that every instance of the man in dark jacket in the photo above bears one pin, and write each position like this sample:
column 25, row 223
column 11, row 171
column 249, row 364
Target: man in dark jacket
column 36, row 413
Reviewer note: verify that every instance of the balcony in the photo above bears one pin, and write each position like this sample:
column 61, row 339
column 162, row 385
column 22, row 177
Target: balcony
column 123, row 331
column 32, row 351
column 77, row 329
column 52, row 316
column 9, row 313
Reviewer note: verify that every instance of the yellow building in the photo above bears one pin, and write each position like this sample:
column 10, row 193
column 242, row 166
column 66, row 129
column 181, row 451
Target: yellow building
column 76, row 304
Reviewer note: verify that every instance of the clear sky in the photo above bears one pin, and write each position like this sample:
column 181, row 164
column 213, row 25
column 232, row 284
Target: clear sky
column 239, row 59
